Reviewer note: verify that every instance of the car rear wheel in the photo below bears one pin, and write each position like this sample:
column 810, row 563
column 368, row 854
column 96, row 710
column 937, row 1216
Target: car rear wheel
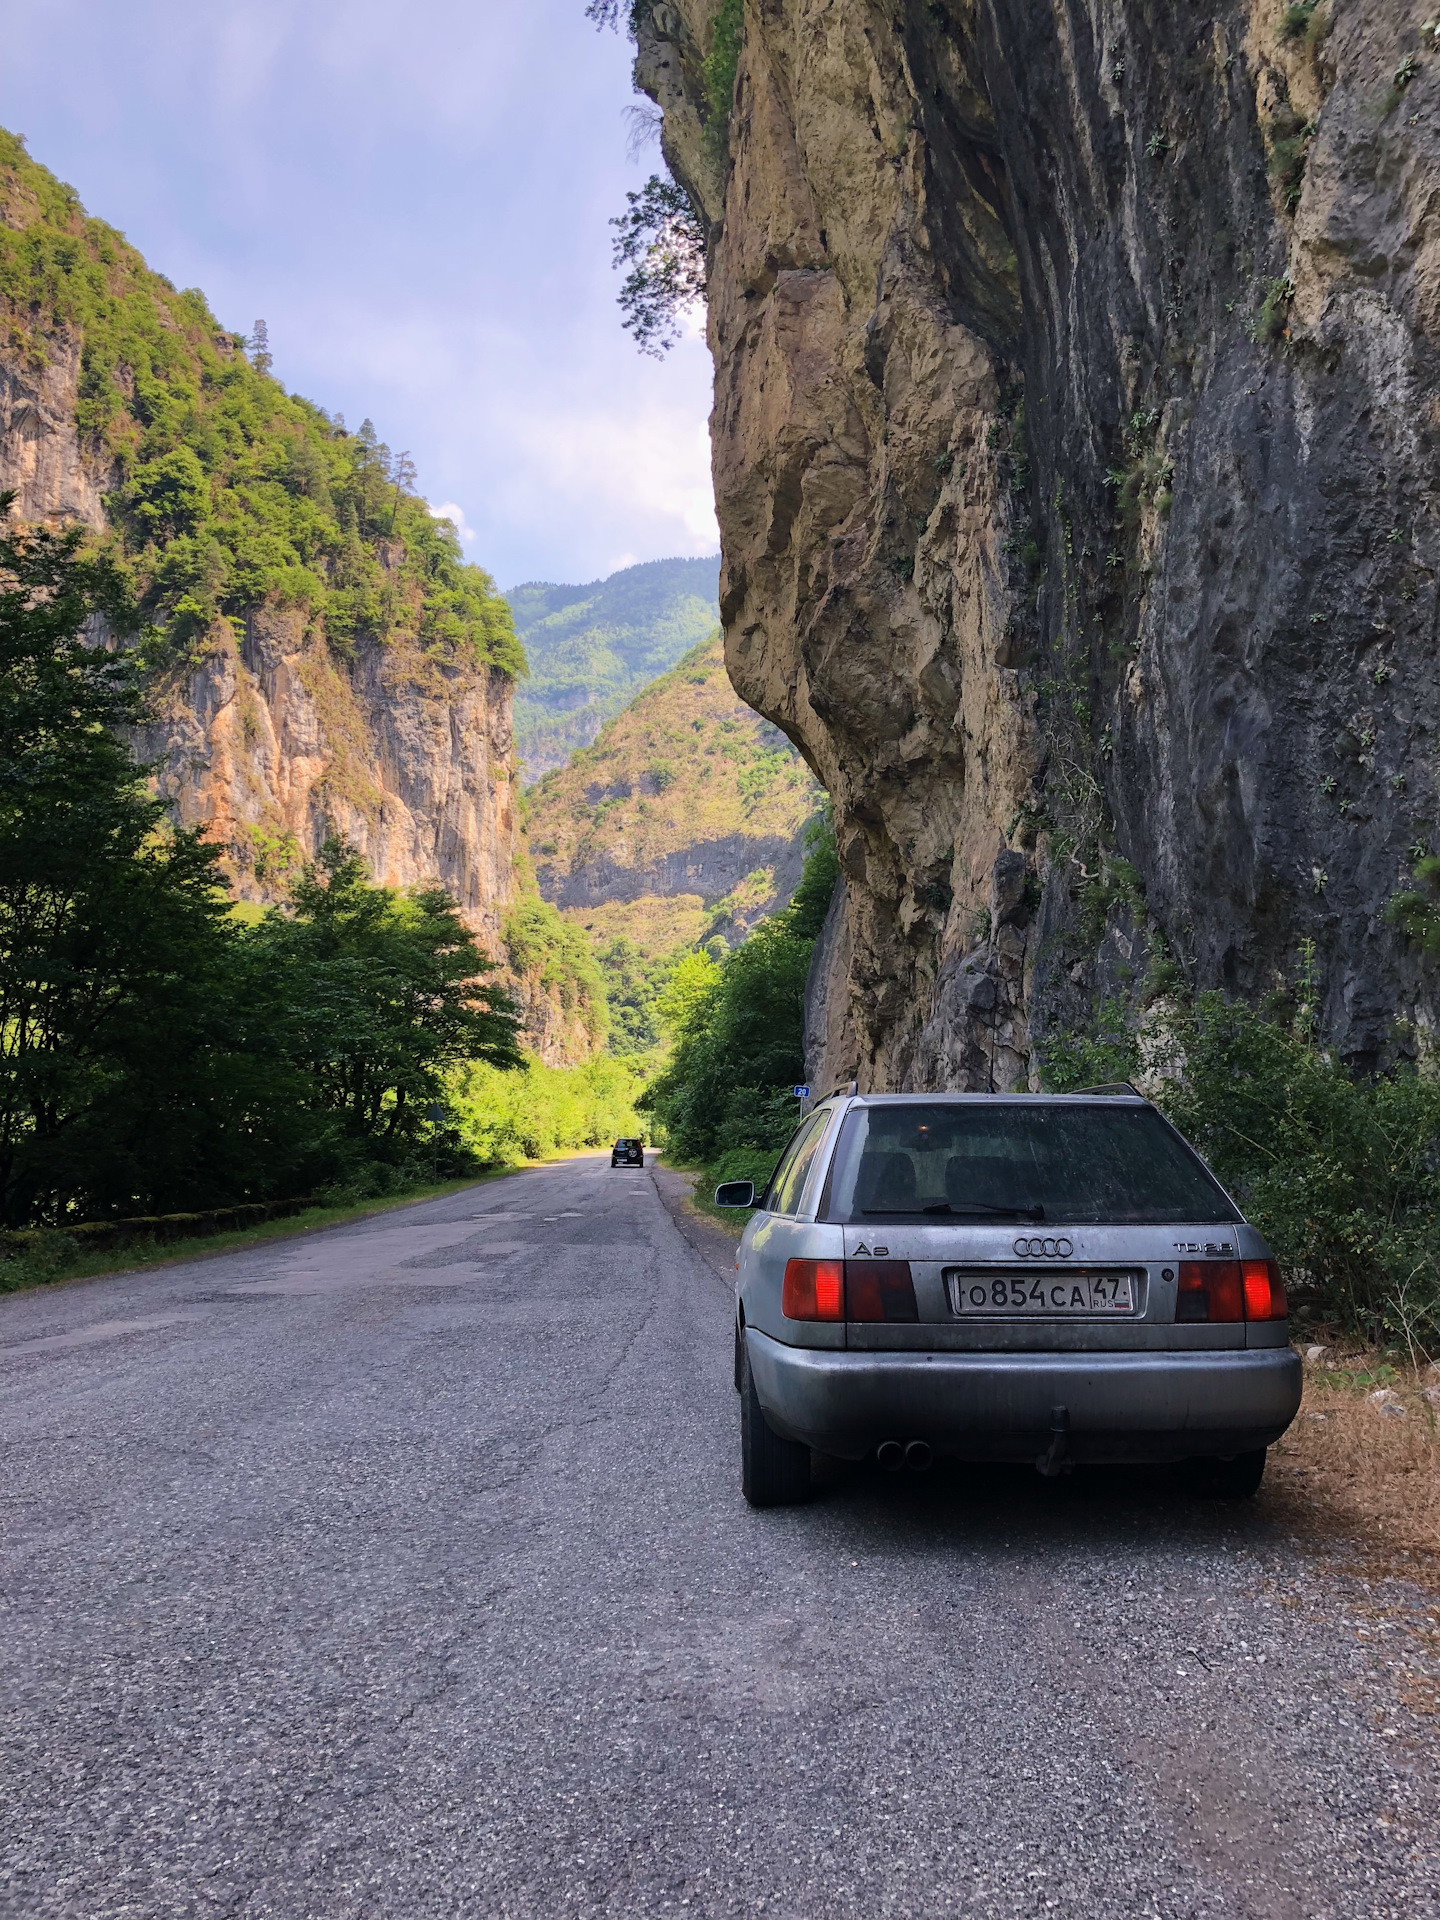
column 1235, row 1479
column 774, row 1472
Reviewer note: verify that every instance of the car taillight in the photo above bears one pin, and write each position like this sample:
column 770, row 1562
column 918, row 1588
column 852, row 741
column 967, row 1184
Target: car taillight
column 1230, row 1290
column 879, row 1290
column 1264, row 1290
column 813, row 1290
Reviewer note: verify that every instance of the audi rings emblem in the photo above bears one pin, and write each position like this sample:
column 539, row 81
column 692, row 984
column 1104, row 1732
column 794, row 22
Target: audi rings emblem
column 1044, row 1249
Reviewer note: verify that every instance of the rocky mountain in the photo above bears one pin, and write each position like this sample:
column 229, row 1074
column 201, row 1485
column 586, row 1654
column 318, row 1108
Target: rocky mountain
column 1077, row 407
column 591, row 648
column 683, row 820
column 323, row 662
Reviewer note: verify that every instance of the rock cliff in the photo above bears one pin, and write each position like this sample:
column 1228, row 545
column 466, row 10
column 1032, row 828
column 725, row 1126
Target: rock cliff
column 1077, row 405
column 270, row 743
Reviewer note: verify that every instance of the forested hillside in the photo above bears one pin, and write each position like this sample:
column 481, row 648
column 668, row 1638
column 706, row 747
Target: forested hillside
column 319, row 658
column 591, row 648
column 683, row 823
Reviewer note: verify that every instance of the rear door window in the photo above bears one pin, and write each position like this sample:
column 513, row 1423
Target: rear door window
column 788, row 1183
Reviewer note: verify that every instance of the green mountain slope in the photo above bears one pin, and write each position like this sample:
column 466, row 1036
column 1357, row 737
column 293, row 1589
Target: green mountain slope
column 684, row 823
column 221, row 491
column 591, row 648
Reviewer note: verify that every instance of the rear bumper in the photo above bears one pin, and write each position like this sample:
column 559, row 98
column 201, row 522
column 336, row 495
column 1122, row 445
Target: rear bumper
column 1000, row 1406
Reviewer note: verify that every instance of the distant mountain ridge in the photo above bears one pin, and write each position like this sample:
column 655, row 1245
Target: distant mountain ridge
column 686, row 795
column 592, row 647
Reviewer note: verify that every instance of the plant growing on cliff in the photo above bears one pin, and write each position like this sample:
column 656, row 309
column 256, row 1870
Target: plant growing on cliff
column 722, row 62
column 1273, row 319
column 1416, row 910
column 662, row 242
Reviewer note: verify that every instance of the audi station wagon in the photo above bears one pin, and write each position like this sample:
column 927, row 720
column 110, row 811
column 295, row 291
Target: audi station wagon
column 1049, row 1278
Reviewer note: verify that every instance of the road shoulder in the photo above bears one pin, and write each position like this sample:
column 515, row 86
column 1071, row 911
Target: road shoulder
column 714, row 1246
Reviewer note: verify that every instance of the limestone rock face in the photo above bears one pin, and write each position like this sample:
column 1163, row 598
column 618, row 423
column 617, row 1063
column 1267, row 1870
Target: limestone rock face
column 41, row 461
column 1077, row 407
column 272, row 743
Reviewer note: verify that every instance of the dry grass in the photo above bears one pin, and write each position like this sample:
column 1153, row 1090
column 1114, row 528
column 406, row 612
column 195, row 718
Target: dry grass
column 657, row 923
column 1355, row 1468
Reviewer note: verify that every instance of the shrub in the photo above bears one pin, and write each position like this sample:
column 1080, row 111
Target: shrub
column 1341, row 1173
column 738, row 1028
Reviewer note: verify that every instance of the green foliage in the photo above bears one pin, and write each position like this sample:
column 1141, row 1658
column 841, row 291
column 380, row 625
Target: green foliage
column 156, row 1054
column 554, row 958
column 1273, row 320
column 593, row 648
column 1417, row 910
column 738, row 1030
column 1341, row 1174
column 634, row 984
column 384, row 994
column 721, row 64
column 661, row 240
column 233, row 491
column 503, row 1118
column 810, row 901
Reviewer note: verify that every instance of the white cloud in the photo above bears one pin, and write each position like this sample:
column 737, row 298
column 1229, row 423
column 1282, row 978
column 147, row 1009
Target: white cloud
column 448, row 510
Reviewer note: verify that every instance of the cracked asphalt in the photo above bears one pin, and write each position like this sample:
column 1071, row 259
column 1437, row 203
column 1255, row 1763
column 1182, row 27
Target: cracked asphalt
column 402, row 1570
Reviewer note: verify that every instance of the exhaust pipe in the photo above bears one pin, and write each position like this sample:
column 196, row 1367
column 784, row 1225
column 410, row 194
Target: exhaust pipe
column 890, row 1455
column 918, row 1456
column 1052, row 1461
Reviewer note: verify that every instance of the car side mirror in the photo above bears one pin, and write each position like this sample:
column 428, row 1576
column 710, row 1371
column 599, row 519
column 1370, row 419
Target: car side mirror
column 735, row 1193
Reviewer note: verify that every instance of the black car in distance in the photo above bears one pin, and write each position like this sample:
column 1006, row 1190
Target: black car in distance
column 628, row 1153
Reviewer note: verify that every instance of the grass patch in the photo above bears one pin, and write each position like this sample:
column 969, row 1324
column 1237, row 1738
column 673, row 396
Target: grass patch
column 742, row 1163
column 54, row 1263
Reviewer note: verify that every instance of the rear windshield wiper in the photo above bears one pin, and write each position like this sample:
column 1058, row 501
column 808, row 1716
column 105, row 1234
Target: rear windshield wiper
column 976, row 1207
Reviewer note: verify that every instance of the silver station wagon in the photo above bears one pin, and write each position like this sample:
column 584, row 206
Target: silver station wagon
column 1048, row 1278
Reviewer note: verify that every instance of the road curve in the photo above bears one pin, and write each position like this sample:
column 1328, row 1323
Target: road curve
column 402, row 1570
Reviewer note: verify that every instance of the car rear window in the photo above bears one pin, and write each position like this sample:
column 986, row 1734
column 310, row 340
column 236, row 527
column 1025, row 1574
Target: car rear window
column 1081, row 1163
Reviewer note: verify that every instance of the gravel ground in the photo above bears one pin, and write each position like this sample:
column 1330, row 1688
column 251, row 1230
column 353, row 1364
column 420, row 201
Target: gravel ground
column 402, row 1570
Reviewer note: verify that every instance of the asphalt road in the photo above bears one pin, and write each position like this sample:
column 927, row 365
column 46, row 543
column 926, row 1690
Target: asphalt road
column 403, row 1571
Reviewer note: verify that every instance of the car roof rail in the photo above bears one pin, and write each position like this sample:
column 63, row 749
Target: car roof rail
column 1111, row 1086
column 852, row 1089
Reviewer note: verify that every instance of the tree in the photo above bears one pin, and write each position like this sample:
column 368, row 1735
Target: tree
column 114, row 942
column 385, row 992
column 738, row 1027
column 155, row 1054
column 258, row 347
column 661, row 240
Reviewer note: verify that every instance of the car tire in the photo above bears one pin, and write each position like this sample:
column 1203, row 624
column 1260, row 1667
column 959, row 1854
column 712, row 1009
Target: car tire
column 1235, row 1479
column 774, row 1472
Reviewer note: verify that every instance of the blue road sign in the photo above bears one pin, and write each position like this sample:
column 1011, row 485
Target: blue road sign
column 802, row 1093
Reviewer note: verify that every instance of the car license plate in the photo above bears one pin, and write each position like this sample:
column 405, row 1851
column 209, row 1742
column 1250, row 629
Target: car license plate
column 1051, row 1294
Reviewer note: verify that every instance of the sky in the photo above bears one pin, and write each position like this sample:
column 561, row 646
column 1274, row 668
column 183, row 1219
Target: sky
column 416, row 201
